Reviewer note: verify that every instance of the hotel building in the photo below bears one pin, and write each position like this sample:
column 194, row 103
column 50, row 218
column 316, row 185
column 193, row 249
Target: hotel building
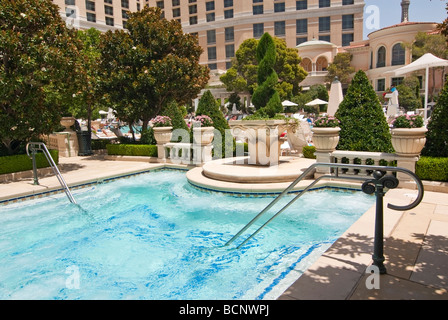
column 222, row 25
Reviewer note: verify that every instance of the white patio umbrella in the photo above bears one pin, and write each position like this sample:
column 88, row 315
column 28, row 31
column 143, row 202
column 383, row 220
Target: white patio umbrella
column 288, row 103
column 336, row 97
column 316, row 102
column 426, row 61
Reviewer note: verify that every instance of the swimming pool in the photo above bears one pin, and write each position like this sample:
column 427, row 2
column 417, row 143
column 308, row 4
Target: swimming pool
column 154, row 236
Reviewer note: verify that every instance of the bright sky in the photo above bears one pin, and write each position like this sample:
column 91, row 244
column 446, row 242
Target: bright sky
column 388, row 13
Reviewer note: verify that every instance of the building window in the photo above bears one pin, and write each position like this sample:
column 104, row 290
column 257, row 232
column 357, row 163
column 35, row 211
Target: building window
column 213, row 66
column 279, row 7
column 228, row 14
column 90, row 5
column 193, row 20
column 176, row 3
column 396, row 81
column 347, row 38
column 381, row 85
column 70, row 2
column 125, row 4
column 193, row 9
column 279, row 28
column 230, row 51
column 398, row 55
column 125, row 14
column 91, row 17
column 301, row 40
column 211, row 36
column 348, row 22
column 176, row 12
column 228, row 3
column 347, row 2
column 324, row 3
column 324, row 38
column 109, row 21
column 302, row 5
column 301, row 26
column 160, row 5
column 229, row 34
column 257, row 9
column 258, row 30
column 210, row 6
column 228, row 65
column 211, row 51
column 109, row 10
column 257, row 1
column 324, row 24
column 108, row 1
column 210, row 16
column 381, row 57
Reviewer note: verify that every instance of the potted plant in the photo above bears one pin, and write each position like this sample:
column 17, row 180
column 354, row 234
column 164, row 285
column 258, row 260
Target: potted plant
column 326, row 133
column 408, row 135
column 203, row 130
column 163, row 129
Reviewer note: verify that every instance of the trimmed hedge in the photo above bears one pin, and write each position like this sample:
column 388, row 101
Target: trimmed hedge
column 145, row 150
column 21, row 162
column 308, row 152
column 433, row 169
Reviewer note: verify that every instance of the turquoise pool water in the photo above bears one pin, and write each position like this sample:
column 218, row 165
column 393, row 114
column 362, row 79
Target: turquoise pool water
column 154, row 236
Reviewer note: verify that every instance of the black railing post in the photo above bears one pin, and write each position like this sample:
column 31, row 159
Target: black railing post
column 377, row 186
column 33, row 157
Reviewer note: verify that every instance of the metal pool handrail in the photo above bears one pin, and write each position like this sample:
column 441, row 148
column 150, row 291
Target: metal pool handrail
column 376, row 185
column 40, row 146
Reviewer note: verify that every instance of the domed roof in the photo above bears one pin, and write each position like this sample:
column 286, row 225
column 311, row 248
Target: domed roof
column 315, row 42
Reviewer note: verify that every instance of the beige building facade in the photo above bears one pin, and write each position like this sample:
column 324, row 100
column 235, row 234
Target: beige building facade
column 222, row 25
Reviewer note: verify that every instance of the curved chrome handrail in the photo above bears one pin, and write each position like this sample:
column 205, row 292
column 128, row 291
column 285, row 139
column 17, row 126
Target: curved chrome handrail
column 336, row 166
column 40, row 146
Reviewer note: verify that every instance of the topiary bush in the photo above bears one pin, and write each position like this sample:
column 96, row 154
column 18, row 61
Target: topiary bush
column 430, row 168
column 437, row 135
column 209, row 107
column 308, row 152
column 265, row 98
column 363, row 124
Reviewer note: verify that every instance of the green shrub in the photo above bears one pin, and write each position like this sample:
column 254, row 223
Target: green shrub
column 22, row 162
column 132, row 150
column 98, row 144
column 437, row 135
column 308, row 152
column 430, row 168
column 363, row 124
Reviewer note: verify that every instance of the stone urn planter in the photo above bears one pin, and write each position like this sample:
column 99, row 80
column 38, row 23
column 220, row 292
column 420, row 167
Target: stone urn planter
column 163, row 134
column 325, row 139
column 67, row 122
column 203, row 135
column 262, row 137
column 408, row 142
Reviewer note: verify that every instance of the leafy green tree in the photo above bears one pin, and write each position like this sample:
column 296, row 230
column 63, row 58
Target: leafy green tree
column 208, row 106
column 266, row 98
column 363, row 124
column 89, row 96
column 39, row 67
column 150, row 65
column 437, row 135
column 242, row 76
column 409, row 94
column 341, row 68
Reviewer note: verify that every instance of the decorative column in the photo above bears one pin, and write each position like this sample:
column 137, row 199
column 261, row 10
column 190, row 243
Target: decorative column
column 162, row 136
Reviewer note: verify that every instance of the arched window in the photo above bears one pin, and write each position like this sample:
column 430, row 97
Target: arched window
column 381, row 57
column 307, row 65
column 321, row 64
column 398, row 55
